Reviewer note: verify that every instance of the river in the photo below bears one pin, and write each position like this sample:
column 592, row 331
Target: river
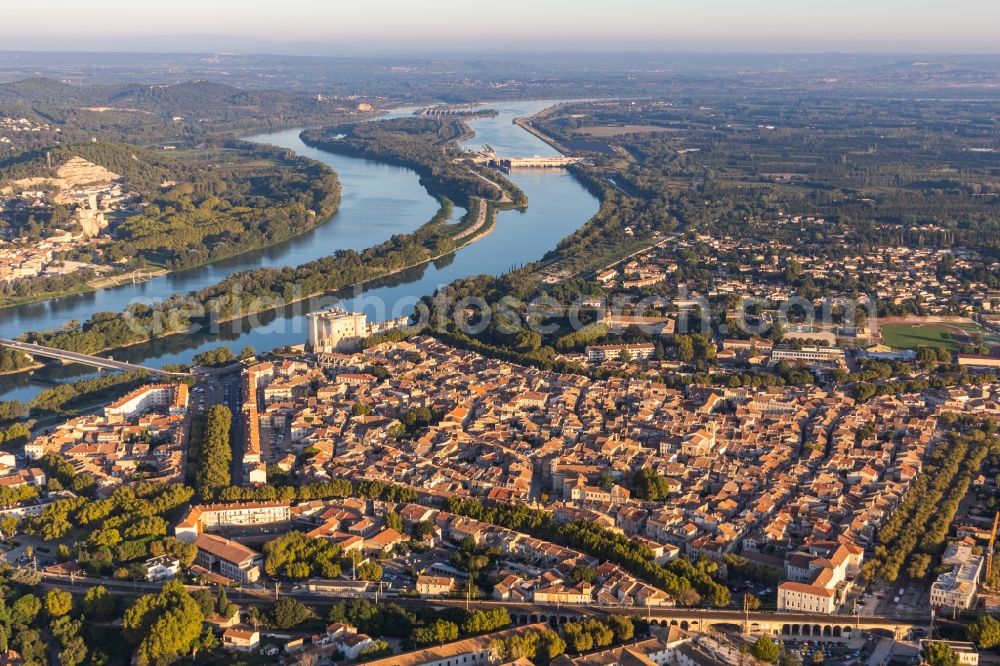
column 377, row 201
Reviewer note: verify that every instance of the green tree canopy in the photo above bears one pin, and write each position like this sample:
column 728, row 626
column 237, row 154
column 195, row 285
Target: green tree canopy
column 765, row 649
column 165, row 626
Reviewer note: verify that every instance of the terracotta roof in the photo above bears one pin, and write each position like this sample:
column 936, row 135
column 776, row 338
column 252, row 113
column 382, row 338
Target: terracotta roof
column 224, row 549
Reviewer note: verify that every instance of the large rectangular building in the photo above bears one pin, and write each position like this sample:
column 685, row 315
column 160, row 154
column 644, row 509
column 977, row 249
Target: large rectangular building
column 172, row 398
column 818, row 577
column 336, row 330
column 209, row 517
column 807, row 355
column 636, row 352
column 957, row 588
column 229, row 558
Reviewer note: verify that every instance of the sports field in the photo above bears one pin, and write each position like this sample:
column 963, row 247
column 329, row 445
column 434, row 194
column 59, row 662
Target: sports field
column 912, row 336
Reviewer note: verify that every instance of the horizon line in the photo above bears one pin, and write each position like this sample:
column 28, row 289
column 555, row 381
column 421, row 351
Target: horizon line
column 415, row 52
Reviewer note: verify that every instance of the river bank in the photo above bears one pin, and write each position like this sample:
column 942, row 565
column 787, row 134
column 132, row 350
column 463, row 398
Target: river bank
column 483, row 224
column 527, row 126
column 304, row 194
column 560, row 203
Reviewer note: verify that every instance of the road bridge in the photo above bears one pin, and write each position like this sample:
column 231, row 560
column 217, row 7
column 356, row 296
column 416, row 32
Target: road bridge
column 99, row 362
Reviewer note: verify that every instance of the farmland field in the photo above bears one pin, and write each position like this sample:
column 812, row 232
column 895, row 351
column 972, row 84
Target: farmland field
column 617, row 130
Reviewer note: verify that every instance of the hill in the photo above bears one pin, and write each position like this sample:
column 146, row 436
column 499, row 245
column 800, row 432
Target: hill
column 152, row 113
column 143, row 169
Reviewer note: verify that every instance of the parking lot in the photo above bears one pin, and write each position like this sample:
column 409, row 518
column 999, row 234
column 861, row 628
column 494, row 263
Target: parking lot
column 839, row 652
column 891, row 600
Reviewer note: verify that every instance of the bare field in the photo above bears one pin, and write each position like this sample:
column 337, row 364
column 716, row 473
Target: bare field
column 617, row 130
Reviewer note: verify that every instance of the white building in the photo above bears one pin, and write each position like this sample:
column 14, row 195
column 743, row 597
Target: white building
column 957, row 588
column 966, row 652
column 806, row 598
column 336, row 330
column 241, row 638
column 807, row 355
column 435, row 586
column 636, row 352
column 173, row 398
column 818, row 578
column 209, row 517
column 163, row 567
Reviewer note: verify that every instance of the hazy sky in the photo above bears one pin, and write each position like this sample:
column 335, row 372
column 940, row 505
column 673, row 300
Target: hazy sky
column 337, row 26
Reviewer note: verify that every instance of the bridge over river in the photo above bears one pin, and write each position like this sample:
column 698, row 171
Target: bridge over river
column 36, row 350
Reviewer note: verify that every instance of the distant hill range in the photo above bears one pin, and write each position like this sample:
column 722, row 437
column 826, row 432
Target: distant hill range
column 192, row 97
column 146, row 113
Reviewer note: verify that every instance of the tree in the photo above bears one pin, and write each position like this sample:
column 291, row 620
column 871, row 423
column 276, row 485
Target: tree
column 74, row 652
column 183, row 551
column 370, row 570
column 58, row 603
column 379, row 648
column 623, row 627
column 219, row 356
column 8, row 525
column 481, row 622
column 577, row 637
column 394, row 522
column 207, row 641
column 600, row 633
column 297, row 556
column 99, row 604
column 550, row 644
column 29, row 643
column 297, row 570
column 287, row 613
column 649, row 485
column 685, row 349
column 985, row 632
column 223, row 606
column 28, row 577
column 940, row 654
column 777, row 332
column 765, row 649
column 440, row 632
column 205, row 601
column 582, row 573
column 165, row 626
column 423, row 529
column 919, row 565
column 216, row 454
column 752, row 602
column 25, row 609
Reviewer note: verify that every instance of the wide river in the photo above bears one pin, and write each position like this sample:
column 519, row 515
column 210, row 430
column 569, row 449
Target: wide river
column 377, row 201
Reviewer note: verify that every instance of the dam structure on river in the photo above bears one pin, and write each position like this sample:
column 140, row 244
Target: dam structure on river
column 489, row 157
